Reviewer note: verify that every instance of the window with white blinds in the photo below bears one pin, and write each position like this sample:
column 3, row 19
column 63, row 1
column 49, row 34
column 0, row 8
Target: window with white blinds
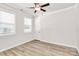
column 27, row 24
column 7, row 23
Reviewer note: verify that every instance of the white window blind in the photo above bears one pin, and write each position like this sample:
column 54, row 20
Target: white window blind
column 7, row 23
column 27, row 24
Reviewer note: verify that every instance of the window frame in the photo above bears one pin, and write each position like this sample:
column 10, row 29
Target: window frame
column 31, row 29
column 14, row 25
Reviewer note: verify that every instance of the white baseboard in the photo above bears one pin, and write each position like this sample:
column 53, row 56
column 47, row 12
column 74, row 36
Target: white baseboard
column 60, row 44
column 20, row 43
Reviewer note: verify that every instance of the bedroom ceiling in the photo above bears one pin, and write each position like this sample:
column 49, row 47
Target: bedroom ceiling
column 53, row 6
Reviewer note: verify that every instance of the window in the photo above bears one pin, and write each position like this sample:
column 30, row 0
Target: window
column 27, row 24
column 7, row 23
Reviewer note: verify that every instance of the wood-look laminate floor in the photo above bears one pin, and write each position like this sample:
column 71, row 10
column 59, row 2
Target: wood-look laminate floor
column 39, row 48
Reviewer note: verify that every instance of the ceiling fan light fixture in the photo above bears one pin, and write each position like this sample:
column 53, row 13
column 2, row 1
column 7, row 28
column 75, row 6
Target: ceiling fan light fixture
column 37, row 8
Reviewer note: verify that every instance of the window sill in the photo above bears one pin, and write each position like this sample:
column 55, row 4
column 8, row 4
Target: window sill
column 6, row 34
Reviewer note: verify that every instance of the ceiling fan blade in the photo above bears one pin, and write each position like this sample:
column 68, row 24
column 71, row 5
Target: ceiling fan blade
column 47, row 4
column 35, row 11
column 43, row 10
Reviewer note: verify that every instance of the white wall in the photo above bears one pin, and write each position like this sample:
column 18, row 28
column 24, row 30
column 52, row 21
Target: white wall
column 77, row 18
column 59, row 27
column 20, row 37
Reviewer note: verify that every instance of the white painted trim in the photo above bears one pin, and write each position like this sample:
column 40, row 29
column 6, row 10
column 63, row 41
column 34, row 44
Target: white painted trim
column 20, row 43
column 61, row 10
column 60, row 44
column 57, row 43
column 7, row 34
column 11, row 9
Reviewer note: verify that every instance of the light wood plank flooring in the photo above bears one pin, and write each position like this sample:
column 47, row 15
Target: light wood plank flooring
column 39, row 48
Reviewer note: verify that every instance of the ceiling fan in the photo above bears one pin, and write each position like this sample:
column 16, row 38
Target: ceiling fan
column 38, row 7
